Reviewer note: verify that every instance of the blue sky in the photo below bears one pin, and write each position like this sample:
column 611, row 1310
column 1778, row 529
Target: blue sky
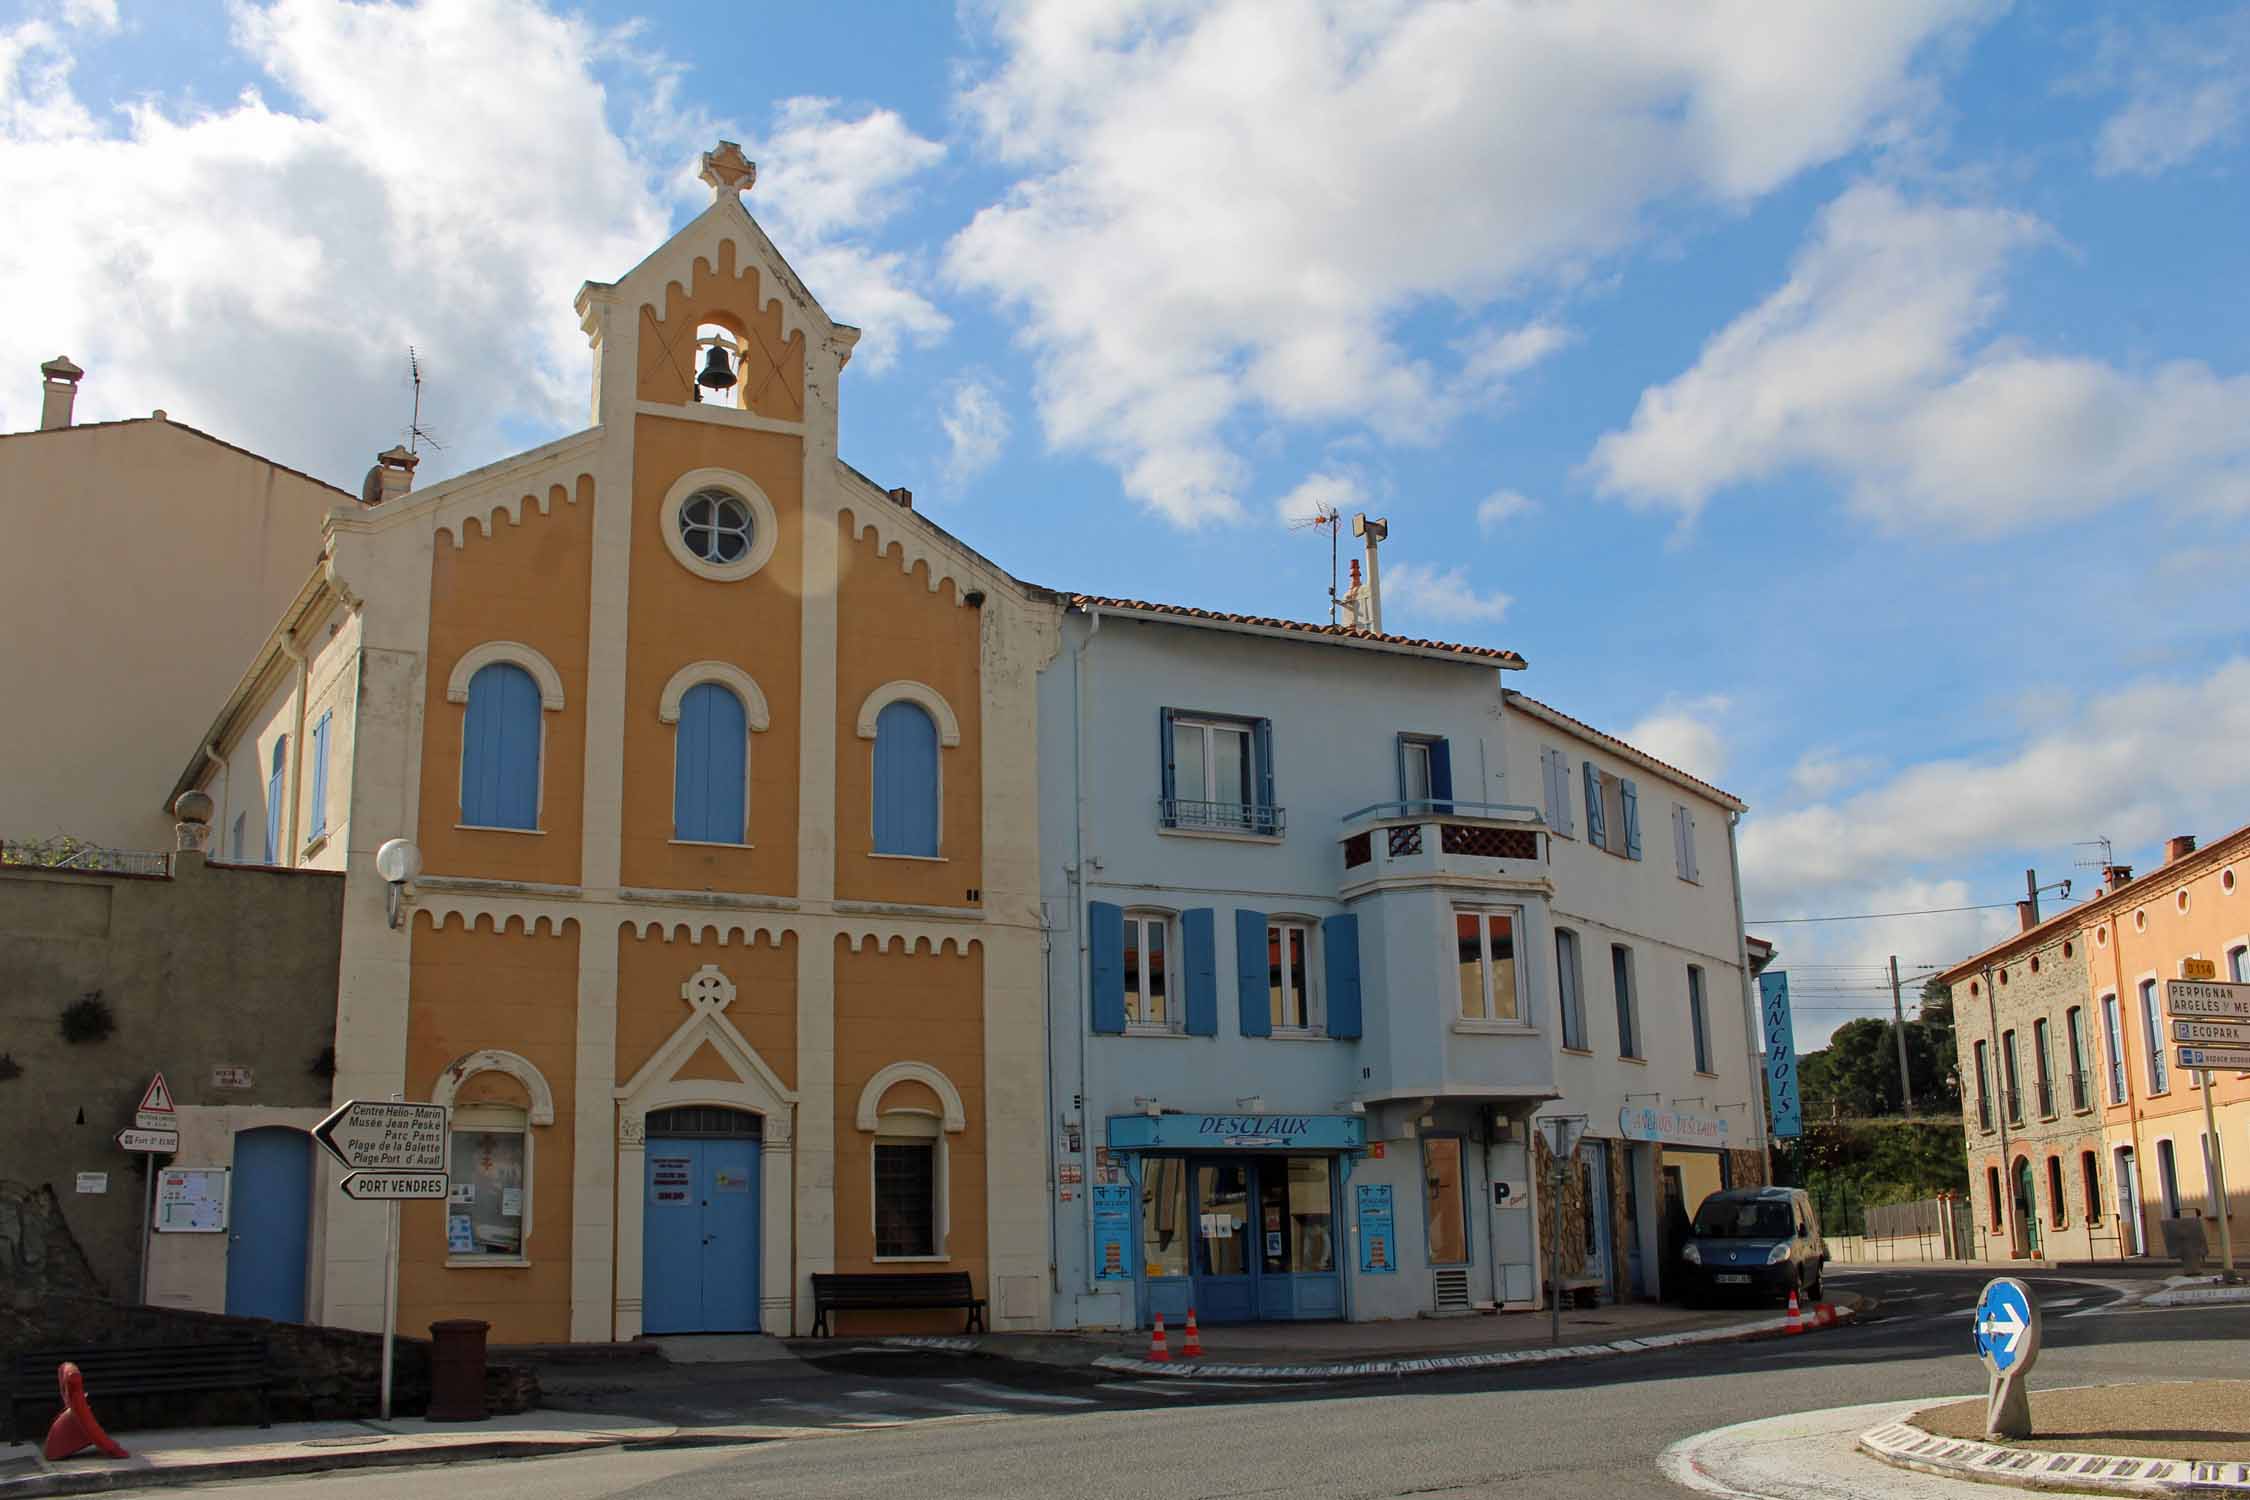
column 1849, row 403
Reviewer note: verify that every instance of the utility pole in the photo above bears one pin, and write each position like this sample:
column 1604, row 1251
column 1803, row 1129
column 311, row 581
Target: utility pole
column 1898, row 1015
column 2031, row 892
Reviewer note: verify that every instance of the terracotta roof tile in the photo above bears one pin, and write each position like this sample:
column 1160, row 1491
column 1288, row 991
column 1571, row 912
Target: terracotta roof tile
column 1341, row 633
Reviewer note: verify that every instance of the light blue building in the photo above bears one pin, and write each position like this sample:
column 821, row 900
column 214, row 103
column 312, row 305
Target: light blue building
column 1309, row 985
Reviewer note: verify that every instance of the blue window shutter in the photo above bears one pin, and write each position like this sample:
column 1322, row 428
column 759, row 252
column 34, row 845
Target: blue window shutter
column 1199, row 935
column 1339, row 941
column 1441, row 774
column 1105, row 944
column 274, row 780
column 1594, row 806
column 1166, row 758
column 1252, row 973
column 906, row 781
column 1632, row 801
column 1261, row 734
column 320, row 776
column 500, row 749
column 710, row 746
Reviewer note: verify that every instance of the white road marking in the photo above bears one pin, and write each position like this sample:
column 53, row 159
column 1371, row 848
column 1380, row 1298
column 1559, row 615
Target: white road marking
column 1003, row 1393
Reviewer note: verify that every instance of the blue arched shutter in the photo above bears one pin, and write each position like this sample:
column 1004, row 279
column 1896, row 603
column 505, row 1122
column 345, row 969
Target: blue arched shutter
column 1340, row 942
column 500, row 749
column 1105, row 949
column 274, row 780
column 1253, row 973
column 906, row 780
column 709, row 752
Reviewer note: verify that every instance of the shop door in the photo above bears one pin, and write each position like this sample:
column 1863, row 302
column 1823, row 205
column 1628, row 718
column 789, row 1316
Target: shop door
column 1595, row 1158
column 1635, row 1275
column 1226, row 1273
column 2129, row 1200
column 699, row 1236
column 2027, row 1211
column 269, row 1224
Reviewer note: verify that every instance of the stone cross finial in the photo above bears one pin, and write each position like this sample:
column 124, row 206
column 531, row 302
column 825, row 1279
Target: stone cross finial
column 728, row 171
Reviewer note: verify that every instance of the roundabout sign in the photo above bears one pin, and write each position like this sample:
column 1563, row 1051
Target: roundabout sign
column 2007, row 1340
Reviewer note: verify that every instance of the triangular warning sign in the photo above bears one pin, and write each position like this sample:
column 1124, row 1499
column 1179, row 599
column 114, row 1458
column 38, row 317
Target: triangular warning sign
column 158, row 1097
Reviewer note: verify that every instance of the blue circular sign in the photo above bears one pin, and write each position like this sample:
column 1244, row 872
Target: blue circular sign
column 2007, row 1326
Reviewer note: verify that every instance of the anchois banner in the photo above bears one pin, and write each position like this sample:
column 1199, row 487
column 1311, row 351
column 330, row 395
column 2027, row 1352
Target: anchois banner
column 1781, row 1055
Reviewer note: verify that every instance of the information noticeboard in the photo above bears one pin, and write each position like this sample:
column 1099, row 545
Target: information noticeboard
column 191, row 1200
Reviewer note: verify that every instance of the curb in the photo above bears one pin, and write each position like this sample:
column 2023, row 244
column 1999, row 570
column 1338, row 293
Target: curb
column 1445, row 1363
column 2198, row 1296
column 1907, row 1447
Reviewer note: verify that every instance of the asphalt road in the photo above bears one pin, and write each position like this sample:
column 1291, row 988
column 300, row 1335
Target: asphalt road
column 978, row 1428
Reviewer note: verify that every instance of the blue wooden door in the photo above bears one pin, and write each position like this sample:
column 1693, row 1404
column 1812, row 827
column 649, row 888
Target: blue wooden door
column 699, row 1237
column 1226, row 1269
column 269, row 1224
column 730, row 1236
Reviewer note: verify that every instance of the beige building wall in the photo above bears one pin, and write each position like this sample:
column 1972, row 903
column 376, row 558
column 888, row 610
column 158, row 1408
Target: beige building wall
column 129, row 544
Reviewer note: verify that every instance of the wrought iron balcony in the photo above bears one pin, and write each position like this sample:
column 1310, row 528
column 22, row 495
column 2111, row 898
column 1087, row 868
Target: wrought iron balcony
column 2081, row 1092
column 1258, row 819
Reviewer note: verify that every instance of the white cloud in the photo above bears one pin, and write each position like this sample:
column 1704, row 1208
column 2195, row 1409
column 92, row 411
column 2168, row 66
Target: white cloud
column 1839, row 971
column 1825, row 769
column 976, row 430
column 203, row 259
column 1415, row 591
column 91, row 15
column 1318, row 495
column 2187, row 89
column 2135, row 764
column 1861, row 366
column 1491, row 359
column 1502, row 506
column 1228, row 208
column 1687, row 732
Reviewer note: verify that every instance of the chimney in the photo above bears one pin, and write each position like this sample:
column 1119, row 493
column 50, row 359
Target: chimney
column 2178, row 847
column 392, row 476
column 2026, row 916
column 1371, row 617
column 904, row 498
column 1348, row 605
column 2114, row 876
column 60, row 388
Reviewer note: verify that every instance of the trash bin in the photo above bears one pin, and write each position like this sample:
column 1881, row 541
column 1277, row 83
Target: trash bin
column 457, row 1370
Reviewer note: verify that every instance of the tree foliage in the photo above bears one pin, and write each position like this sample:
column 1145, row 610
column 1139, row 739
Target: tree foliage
column 1855, row 1077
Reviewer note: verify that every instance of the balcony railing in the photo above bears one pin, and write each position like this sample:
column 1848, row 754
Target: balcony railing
column 70, row 854
column 1222, row 817
column 1478, row 830
column 2081, row 1092
column 2046, row 1099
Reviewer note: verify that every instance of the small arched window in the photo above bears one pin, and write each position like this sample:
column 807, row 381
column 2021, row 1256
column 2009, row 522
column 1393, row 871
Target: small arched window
column 710, row 766
column 906, row 780
column 274, row 779
column 500, row 749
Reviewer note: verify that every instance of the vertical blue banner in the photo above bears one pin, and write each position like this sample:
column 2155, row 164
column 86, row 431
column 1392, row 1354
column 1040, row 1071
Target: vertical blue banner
column 1378, row 1236
column 1113, row 1232
column 1781, row 1055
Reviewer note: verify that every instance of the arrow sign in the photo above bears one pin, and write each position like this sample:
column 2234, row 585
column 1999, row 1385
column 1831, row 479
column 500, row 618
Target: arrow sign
column 161, row 1142
column 376, row 1135
column 2007, row 1326
column 382, row 1186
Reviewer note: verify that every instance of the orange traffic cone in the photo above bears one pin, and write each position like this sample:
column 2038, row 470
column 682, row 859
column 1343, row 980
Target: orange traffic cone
column 1796, row 1317
column 1156, row 1350
column 1823, row 1314
column 1191, row 1347
column 75, row 1429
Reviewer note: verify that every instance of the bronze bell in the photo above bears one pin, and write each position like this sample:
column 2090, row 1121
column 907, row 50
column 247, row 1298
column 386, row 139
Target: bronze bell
column 718, row 375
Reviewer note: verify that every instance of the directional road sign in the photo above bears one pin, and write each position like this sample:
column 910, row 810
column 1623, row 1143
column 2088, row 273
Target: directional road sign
column 366, row 1186
column 2237, row 1058
column 2204, row 1000
column 2007, row 1320
column 160, row 1142
column 376, row 1135
column 2213, row 1033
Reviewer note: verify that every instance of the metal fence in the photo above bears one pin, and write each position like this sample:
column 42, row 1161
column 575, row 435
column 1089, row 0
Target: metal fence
column 68, row 854
column 1926, row 1229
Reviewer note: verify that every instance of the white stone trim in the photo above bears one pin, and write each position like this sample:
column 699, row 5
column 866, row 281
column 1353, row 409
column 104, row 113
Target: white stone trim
column 868, row 1117
column 476, row 658
column 494, row 1060
column 694, row 673
column 765, row 524
column 948, row 725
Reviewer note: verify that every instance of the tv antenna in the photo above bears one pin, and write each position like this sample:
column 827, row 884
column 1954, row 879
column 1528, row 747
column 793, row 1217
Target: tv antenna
column 416, row 433
column 2095, row 843
column 1332, row 520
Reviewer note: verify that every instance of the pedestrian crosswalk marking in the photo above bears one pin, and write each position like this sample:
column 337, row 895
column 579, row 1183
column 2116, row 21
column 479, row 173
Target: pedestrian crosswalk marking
column 1002, row 1393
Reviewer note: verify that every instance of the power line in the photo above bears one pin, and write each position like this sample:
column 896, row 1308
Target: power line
column 1870, row 916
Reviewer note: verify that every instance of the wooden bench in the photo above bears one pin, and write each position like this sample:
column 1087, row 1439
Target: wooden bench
column 886, row 1290
column 230, row 1362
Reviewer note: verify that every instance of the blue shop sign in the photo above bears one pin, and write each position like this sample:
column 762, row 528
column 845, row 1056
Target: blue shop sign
column 1237, row 1132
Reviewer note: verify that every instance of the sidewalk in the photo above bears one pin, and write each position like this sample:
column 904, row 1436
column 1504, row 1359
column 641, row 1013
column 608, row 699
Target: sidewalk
column 194, row 1455
column 1301, row 1351
column 2198, row 1291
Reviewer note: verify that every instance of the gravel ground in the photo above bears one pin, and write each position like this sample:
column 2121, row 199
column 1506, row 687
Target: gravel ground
column 2170, row 1419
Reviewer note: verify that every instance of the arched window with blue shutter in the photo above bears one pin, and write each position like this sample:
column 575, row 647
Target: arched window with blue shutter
column 500, row 749
column 906, row 780
column 710, row 759
column 274, row 779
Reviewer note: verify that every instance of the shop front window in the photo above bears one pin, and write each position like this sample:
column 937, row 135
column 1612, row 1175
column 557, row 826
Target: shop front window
column 1164, row 1220
column 1446, row 1201
column 1296, row 1233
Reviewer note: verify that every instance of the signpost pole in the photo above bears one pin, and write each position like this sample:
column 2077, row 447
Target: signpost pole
column 390, row 1298
column 2219, row 1183
column 148, row 1200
